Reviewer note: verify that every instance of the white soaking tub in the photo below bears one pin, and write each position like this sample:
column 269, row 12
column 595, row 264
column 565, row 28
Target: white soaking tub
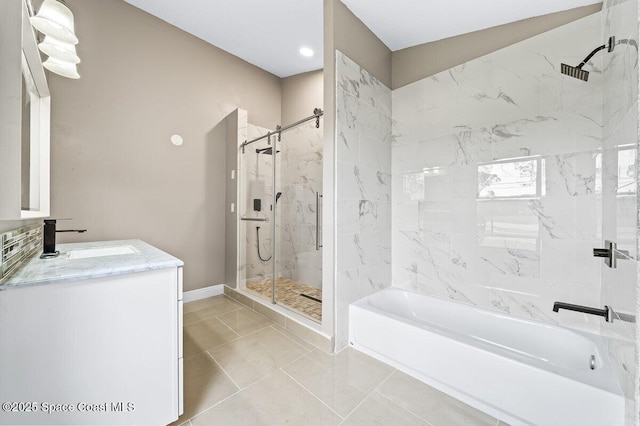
column 520, row 371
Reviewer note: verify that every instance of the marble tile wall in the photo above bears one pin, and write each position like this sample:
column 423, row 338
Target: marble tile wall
column 497, row 177
column 363, row 138
column 620, row 208
column 504, row 175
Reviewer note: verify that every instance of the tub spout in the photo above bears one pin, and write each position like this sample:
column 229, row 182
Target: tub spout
column 607, row 312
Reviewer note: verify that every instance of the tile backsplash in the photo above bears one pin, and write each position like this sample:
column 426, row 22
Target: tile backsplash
column 18, row 246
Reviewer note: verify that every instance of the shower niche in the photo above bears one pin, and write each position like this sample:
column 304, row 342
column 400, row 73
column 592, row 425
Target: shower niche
column 279, row 214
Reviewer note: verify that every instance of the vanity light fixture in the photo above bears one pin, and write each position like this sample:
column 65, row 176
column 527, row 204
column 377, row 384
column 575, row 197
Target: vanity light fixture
column 306, row 52
column 62, row 68
column 65, row 52
column 56, row 20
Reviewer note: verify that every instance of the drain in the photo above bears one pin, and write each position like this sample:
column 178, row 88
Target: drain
column 311, row 297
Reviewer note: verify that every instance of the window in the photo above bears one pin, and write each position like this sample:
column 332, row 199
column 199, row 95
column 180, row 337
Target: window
column 509, row 179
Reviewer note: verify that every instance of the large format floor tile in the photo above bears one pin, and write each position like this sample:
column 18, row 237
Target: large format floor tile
column 430, row 404
column 206, row 334
column 203, row 303
column 378, row 410
column 244, row 321
column 241, row 369
column 213, row 307
column 252, row 357
column 308, row 346
column 275, row 400
column 205, row 384
column 341, row 381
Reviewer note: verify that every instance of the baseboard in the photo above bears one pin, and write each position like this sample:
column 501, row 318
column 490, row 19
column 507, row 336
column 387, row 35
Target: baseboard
column 202, row 293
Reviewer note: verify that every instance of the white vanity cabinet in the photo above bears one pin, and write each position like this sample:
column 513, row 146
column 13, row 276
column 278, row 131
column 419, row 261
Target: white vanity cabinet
column 95, row 351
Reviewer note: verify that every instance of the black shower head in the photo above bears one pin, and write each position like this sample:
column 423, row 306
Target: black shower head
column 574, row 72
column 267, row 151
column 577, row 71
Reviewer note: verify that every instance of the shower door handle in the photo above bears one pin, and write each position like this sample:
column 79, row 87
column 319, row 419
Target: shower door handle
column 255, row 219
column 318, row 245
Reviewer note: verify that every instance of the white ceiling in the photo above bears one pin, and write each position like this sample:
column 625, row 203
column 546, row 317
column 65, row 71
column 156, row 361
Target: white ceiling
column 269, row 34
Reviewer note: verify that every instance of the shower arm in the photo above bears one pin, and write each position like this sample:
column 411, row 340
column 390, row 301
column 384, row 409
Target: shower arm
column 611, row 44
column 596, row 50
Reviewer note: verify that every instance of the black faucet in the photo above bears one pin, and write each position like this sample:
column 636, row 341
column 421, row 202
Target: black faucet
column 49, row 241
column 607, row 312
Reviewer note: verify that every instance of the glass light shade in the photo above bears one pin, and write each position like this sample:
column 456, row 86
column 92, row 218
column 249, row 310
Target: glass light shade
column 64, row 69
column 55, row 48
column 56, row 20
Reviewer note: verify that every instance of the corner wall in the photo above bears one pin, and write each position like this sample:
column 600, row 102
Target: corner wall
column 301, row 93
column 236, row 133
column 346, row 33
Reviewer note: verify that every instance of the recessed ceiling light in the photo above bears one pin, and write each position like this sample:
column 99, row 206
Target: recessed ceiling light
column 305, row 51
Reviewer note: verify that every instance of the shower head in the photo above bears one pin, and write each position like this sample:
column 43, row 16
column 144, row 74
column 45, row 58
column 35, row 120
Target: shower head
column 267, row 151
column 574, row 72
column 278, row 195
column 578, row 72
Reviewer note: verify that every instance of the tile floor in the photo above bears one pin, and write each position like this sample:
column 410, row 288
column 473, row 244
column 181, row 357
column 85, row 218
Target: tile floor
column 242, row 369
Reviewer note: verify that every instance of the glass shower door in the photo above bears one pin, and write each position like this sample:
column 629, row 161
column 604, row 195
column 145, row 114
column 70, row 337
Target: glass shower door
column 256, row 211
column 280, row 209
column 298, row 265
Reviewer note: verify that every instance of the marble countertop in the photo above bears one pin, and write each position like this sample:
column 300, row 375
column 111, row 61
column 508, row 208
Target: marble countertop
column 62, row 269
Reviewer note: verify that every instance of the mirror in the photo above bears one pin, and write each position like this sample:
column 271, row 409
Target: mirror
column 29, row 101
column 24, row 118
column 34, row 140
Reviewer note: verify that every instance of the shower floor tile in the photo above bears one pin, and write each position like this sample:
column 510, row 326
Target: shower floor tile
column 293, row 295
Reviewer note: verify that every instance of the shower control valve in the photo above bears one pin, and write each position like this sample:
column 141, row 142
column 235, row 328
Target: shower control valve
column 609, row 253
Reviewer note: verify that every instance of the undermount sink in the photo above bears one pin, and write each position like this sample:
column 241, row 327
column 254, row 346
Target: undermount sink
column 101, row 252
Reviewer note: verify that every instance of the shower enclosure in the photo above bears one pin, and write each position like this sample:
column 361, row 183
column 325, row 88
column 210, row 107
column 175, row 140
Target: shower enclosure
column 279, row 212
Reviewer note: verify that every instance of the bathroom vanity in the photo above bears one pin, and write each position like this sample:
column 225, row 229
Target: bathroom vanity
column 93, row 336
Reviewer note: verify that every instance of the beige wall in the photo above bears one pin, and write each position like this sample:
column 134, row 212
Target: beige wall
column 300, row 95
column 357, row 41
column 114, row 169
column 415, row 63
column 10, row 225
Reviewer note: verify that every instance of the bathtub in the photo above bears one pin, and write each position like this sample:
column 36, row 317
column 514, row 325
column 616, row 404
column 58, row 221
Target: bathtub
column 522, row 372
